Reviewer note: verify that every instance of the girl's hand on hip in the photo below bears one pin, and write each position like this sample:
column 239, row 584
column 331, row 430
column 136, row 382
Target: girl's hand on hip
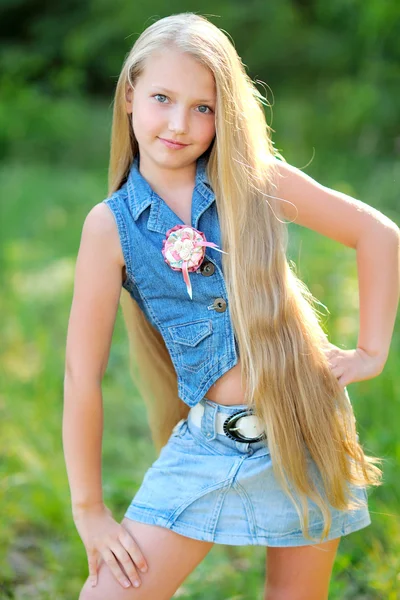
column 352, row 365
column 104, row 538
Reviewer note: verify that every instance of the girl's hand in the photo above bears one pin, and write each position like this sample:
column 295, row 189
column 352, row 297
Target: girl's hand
column 352, row 365
column 103, row 537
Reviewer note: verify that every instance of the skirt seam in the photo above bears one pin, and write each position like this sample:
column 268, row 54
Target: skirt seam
column 263, row 539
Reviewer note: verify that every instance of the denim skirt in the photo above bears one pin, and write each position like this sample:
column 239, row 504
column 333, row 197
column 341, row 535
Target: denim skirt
column 209, row 487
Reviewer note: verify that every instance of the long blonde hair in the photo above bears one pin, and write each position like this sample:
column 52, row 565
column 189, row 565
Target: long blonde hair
column 285, row 372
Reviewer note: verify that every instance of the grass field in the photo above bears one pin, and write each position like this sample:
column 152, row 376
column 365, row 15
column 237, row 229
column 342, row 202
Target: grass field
column 41, row 554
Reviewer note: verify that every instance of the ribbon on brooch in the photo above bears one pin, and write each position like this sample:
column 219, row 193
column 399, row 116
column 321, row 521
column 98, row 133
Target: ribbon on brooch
column 184, row 249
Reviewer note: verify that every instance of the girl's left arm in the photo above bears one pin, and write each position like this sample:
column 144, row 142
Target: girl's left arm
column 376, row 240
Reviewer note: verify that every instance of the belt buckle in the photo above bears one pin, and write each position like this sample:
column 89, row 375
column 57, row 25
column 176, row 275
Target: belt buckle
column 229, row 427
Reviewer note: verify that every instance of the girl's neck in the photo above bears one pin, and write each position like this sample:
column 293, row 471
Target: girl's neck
column 168, row 182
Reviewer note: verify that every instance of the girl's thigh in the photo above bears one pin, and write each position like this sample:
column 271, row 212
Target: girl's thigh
column 301, row 572
column 170, row 557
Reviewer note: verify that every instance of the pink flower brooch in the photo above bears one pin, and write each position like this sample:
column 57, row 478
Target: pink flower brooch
column 184, row 250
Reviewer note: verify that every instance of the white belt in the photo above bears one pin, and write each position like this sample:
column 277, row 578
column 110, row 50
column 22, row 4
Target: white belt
column 248, row 426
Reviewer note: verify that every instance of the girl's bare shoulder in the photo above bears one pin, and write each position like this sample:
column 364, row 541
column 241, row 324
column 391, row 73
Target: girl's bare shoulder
column 100, row 228
column 330, row 212
column 96, row 295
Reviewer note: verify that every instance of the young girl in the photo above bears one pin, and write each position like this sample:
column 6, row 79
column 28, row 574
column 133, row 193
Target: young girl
column 261, row 449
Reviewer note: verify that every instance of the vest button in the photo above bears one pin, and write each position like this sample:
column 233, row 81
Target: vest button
column 219, row 304
column 207, row 268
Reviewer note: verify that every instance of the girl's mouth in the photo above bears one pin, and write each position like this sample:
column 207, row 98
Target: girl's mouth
column 173, row 145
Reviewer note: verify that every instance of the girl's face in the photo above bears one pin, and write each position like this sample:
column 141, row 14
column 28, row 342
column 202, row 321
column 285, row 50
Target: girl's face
column 174, row 99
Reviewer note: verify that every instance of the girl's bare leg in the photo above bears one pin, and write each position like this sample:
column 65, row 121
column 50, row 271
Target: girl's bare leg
column 300, row 573
column 171, row 557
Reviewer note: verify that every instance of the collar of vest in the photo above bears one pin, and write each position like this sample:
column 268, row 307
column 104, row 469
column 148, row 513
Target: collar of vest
column 161, row 217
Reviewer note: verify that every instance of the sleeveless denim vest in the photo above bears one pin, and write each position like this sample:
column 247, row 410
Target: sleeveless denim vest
column 197, row 332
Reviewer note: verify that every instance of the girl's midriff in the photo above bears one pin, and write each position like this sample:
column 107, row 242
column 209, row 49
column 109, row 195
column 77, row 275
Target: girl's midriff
column 227, row 389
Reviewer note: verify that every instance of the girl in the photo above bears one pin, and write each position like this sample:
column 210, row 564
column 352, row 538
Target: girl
column 246, row 397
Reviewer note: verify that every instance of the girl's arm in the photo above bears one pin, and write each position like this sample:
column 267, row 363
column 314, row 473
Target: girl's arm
column 98, row 281
column 375, row 238
column 97, row 289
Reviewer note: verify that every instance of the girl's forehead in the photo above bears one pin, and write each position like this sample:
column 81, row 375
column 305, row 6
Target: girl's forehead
column 167, row 55
column 173, row 67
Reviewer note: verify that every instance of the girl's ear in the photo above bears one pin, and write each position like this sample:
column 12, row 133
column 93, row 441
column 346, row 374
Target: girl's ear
column 128, row 98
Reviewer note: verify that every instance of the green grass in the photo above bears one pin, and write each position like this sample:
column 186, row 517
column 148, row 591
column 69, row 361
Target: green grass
column 41, row 554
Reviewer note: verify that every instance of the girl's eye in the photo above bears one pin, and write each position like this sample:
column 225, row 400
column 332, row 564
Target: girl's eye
column 201, row 105
column 162, row 96
column 204, row 106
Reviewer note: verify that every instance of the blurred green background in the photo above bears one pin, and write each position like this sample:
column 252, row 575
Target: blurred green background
column 332, row 72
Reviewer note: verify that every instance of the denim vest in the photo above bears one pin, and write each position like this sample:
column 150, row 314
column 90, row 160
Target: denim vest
column 197, row 332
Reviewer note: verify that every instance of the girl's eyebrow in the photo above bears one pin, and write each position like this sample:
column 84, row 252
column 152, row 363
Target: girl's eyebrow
column 160, row 87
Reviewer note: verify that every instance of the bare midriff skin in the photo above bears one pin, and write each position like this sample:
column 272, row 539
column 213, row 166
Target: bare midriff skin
column 227, row 389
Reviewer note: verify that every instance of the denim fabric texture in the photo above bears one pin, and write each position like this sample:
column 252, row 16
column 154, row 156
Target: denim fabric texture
column 209, row 487
column 198, row 332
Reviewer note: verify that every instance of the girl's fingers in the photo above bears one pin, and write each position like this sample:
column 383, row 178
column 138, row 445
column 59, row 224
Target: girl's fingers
column 337, row 371
column 332, row 349
column 126, row 561
column 92, row 568
column 115, row 569
column 134, row 551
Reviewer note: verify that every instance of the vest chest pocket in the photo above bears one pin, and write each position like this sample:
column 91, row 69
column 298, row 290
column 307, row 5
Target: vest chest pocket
column 191, row 344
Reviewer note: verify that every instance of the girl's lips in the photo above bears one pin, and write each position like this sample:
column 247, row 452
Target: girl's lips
column 175, row 146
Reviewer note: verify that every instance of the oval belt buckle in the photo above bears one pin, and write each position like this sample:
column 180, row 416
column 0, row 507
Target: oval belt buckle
column 229, row 425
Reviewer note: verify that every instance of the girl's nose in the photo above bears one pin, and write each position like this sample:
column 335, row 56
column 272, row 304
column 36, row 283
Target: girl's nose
column 178, row 122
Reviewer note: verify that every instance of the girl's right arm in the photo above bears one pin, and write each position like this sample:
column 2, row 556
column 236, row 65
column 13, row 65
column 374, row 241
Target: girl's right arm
column 97, row 289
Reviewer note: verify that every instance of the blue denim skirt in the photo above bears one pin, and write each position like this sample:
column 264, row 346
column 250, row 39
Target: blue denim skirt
column 209, row 487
